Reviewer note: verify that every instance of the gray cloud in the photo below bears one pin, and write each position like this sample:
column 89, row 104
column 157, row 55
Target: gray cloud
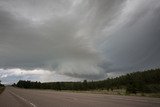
column 83, row 39
column 135, row 44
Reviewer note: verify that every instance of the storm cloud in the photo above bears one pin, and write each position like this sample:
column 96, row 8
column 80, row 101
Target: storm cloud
column 83, row 39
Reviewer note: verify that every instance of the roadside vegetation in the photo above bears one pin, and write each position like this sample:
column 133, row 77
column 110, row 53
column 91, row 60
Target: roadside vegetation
column 145, row 83
column 2, row 87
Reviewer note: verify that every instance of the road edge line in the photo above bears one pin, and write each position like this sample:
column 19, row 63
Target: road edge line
column 33, row 105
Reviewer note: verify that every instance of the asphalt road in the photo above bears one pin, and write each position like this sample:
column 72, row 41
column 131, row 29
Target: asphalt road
column 15, row 97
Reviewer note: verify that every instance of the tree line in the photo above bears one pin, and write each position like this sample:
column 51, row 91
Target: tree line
column 1, row 85
column 136, row 82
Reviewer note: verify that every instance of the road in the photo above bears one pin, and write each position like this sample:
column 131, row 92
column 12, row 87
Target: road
column 15, row 97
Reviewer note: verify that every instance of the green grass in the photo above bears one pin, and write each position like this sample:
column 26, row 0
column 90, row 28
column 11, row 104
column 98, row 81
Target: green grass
column 1, row 89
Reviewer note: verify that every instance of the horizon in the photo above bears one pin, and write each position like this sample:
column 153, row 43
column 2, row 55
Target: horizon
column 51, row 41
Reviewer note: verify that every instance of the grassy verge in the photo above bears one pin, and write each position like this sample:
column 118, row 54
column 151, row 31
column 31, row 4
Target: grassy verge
column 117, row 92
column 156, row 95
column 121, row 92
column 108, row 92
column 1, row 89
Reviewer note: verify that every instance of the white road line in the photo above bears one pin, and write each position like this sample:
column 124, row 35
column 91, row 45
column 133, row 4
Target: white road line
column 33, row 105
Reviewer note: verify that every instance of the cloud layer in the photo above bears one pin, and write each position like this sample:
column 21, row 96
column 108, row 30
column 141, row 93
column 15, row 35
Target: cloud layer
column 82, row 39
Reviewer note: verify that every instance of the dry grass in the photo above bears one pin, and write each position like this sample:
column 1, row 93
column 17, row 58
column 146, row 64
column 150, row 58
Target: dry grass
column 109, row 92
column 118, row 92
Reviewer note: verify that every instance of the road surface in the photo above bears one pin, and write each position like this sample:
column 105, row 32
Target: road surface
column 15, row 97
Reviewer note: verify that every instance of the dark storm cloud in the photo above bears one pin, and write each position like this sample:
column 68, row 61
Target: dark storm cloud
column 135, row 44
column 82, row 39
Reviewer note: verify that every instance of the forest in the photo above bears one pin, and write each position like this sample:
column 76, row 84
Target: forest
column 136, row 82
column 1, row 85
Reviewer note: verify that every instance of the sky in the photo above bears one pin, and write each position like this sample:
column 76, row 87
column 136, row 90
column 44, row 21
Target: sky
column 73, row 40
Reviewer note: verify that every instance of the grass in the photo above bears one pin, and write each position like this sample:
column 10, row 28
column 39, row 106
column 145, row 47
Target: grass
column 117, row 92
column 1, row 89
column 109, row 92
column 121, row 92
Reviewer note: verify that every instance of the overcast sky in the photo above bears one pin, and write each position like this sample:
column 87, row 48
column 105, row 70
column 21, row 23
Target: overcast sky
column 73, row 40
